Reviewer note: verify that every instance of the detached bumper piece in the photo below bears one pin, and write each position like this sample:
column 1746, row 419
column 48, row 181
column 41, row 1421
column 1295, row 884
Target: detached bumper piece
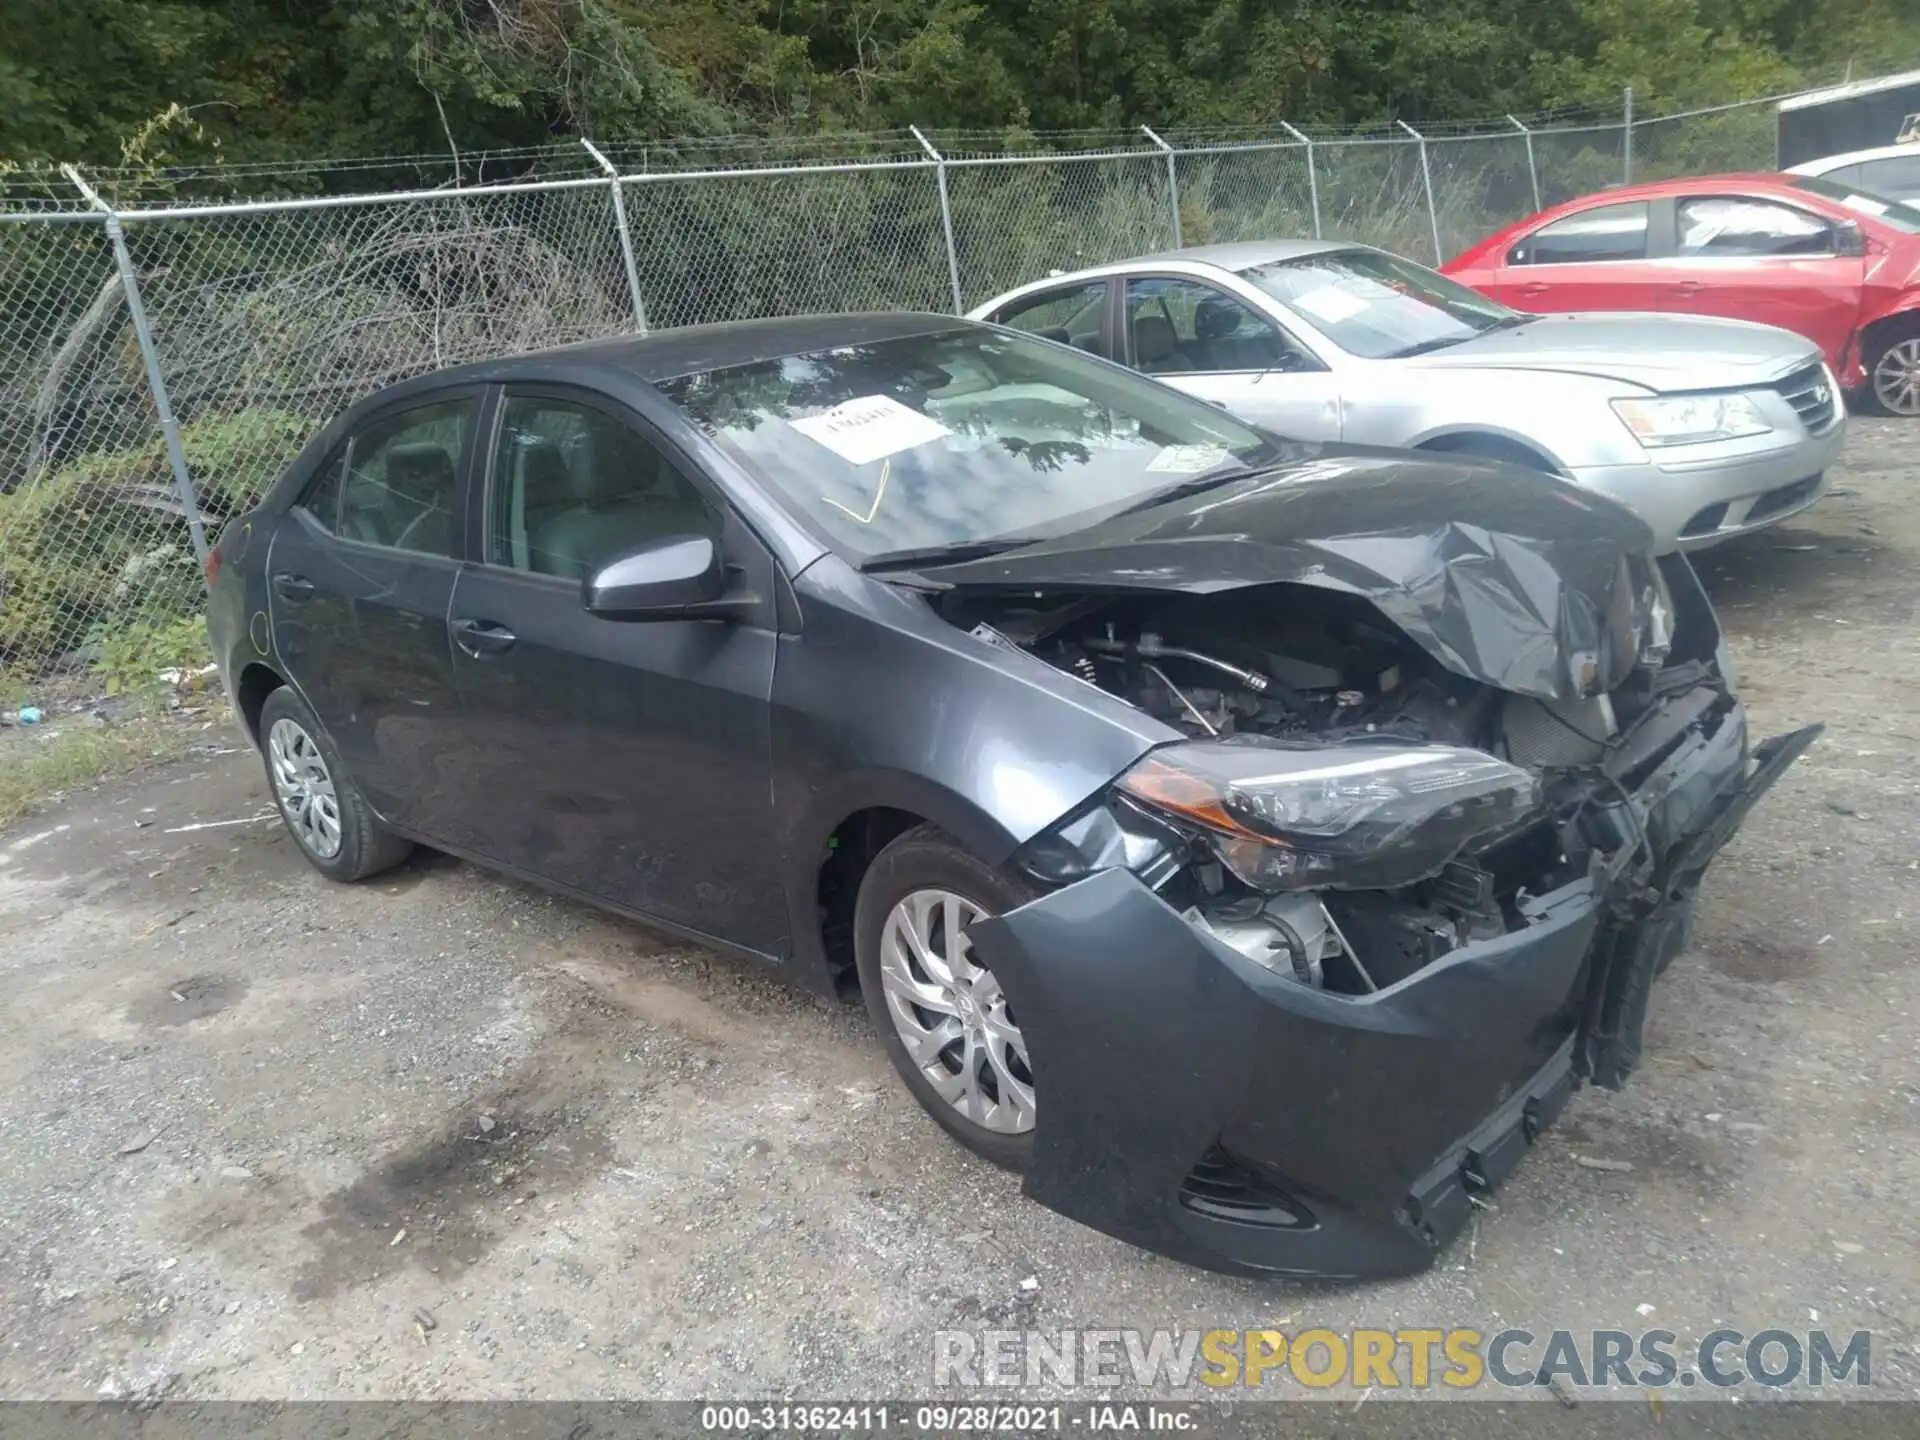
column 1201, row 1106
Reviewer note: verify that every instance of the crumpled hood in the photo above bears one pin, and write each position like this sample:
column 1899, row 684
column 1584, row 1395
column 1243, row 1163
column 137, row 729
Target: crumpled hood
column 1502, row 575
column 1659, row 352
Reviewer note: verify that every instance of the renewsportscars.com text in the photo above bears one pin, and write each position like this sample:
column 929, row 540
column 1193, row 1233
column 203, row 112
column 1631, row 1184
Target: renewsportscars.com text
column 1415, row 1359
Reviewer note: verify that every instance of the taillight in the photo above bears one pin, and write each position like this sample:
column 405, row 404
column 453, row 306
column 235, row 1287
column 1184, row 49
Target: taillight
column 213, row 566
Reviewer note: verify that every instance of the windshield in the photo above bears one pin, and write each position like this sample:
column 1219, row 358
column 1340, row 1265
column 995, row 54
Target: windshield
column 1900, row 214
column 1377, row 305
column 958, row 437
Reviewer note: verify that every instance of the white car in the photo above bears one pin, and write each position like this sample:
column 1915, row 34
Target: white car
column 1704, row 427
column 1890, row 172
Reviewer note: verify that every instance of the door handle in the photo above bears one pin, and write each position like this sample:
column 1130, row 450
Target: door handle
column 481, row 638
column 293, row 587
column 1535, row 287
column 1688, row 287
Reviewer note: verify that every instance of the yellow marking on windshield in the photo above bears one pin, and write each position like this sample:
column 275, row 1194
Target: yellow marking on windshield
column 886, row 471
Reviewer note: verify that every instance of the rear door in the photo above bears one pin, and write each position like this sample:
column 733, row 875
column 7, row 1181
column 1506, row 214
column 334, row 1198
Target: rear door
column 1593, row 259
column 359, row 579
column 1199, row 338
column 630, row 761
column 1753, row 258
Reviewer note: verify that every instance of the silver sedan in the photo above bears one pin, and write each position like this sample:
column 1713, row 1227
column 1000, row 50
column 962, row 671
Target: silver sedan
column 1706, row 428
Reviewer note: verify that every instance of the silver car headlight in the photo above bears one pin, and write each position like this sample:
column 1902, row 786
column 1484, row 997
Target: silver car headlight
column 1690, row 419
column 1352, row 817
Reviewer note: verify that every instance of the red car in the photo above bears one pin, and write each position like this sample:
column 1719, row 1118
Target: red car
column 1799, row 251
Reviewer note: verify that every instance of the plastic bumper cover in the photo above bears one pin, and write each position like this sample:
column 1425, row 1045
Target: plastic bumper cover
column 1355, row 1127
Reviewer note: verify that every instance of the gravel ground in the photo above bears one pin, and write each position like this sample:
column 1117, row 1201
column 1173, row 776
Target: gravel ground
column 444, row 1137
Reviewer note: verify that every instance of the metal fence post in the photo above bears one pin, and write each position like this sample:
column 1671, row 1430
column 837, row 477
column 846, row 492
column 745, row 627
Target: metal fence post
column 946, row 216
column 1533, row 170
column 1173, row 184
column 1313, row 177
column 1426, row 179
column 1626, row 176
column 626, row 235
column 150, row 357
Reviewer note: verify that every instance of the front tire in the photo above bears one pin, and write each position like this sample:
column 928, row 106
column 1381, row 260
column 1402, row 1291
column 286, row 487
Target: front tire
column 945, row 1022
column 328, row 820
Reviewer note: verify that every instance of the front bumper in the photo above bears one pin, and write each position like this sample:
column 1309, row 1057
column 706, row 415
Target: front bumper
column 1202, row 1106
column 1695, row 496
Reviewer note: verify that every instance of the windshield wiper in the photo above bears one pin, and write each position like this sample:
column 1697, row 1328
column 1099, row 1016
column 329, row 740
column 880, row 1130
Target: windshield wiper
column 1427, row 346
column 1192, row 485
column 952, row 553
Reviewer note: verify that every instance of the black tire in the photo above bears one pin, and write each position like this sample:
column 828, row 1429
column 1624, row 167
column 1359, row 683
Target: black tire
column 1885, row 338
column 927, row 858
column 366, row 846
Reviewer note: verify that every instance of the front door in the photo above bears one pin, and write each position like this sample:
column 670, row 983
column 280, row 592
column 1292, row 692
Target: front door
column 1197, row 338
column 359, row 579
column 627, row 760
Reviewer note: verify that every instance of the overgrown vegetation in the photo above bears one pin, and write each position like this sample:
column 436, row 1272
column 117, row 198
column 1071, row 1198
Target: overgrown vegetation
column 97, row 552
column 260, row 80
column 37, row 767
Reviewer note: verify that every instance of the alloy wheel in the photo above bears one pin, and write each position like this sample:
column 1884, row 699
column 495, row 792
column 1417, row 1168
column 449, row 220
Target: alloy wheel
column 304, row 788
column 1896, row 377
column 951, row 1014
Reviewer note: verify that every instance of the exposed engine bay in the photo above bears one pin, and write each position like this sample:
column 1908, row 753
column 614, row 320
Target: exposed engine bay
column 1311, row 675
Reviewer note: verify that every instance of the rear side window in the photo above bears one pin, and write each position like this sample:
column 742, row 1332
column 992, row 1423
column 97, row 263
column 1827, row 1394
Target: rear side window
column 574, row 487
column 1607, row 232
column 402, row 478
column 322, row 497
column 1074, row 316
column 1732, row 225
column 1897, row 177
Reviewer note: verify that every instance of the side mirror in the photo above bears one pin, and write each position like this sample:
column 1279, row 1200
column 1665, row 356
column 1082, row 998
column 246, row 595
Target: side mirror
column 680, row 577
column 1848, row 240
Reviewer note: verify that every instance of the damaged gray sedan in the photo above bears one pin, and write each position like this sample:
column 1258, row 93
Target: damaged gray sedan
column 1251, row 843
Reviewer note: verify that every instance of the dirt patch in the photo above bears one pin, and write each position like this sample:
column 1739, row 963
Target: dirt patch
column 181, row 1002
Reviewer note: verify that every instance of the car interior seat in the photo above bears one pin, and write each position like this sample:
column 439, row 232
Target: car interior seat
column 1156, row 347
column 618, row 494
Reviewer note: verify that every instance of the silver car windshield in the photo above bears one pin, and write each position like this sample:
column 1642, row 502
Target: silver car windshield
column 1900, row 214
column 960, row 436
column 1377, row 305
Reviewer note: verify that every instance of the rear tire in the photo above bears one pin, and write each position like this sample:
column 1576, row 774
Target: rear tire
column 1893, row 370
column 968, row 1065
column 322, row 811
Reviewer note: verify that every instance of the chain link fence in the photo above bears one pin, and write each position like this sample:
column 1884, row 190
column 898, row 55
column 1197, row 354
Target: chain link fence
column 161, row 360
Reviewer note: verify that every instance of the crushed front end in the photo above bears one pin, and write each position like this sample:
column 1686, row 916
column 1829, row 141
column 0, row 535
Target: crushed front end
column 1308, row 980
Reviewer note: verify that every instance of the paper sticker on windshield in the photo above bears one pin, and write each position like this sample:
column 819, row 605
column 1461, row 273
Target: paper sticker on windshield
column 869, row 428
column 1330, row 304
column 1186, row 459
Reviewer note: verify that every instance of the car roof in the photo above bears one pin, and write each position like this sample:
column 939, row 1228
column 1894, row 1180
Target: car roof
column 1854, row 157
column 1239, row 254
column 686, row 350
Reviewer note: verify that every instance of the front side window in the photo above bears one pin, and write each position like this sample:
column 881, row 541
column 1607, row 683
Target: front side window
column 574, row 487
column 958, row 436
column 1377, row 305
column 401, row 481
column 1185, row 325
column 1606, row 232
column 1730, row 225
column 1074, row 316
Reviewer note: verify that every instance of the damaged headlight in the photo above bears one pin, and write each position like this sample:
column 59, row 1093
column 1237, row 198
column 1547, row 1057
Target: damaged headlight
column 1352, row 817
column 1690, row 419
